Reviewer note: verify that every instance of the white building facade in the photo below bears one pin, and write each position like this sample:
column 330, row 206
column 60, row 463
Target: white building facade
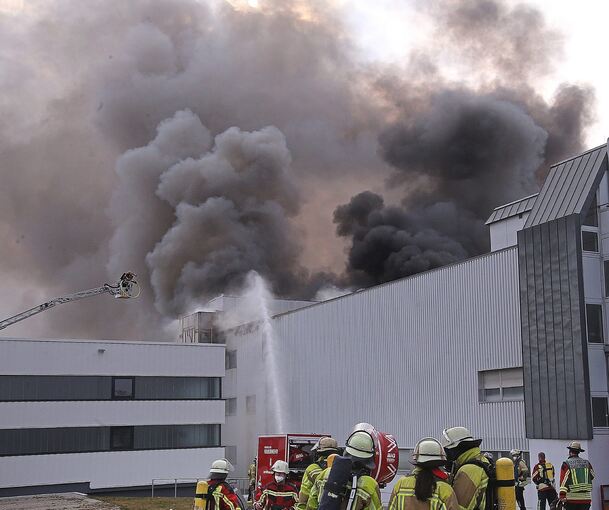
column 98, row 415
column 512, row 344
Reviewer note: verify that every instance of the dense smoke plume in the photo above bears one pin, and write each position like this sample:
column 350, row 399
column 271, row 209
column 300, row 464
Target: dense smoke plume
column 460, row 151
column 192, row 142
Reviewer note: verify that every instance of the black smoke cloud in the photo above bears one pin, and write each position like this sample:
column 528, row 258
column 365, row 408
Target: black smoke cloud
column 460, row 151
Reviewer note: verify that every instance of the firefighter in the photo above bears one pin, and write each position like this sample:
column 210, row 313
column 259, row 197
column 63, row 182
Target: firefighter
column 469, row 478
column 221, row 495
column 360, row 451
column 251, row 476
column 324, row 447
column 521, row 476
column 278, row 494
column 426, row 487
column 576, row 475
column 543, row 478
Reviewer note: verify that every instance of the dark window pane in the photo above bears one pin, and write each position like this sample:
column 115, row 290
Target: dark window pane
column 594, row 320
column 589, row 241
column 492, row 395
column 230, row 407
column 231, row 359
column 591, row 218
column 122, row 387
column 600, row 412
column 121, row 438
column 513, row 393
column 170, row 388
column 54, row 387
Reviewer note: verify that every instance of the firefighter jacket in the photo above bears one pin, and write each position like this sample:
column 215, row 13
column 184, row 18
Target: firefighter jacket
column 222, row 497
column 276, row 496
column 470, row 481
column 576, row 475
column 543, row 476
column 521, row 473
column 403, row 496
column 308, row 479
column 367, row 497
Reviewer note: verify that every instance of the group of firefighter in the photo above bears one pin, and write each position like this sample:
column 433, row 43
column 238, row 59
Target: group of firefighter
column 454, row 474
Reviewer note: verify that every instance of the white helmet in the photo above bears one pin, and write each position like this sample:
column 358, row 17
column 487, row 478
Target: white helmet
column 515, row 452
column 221, row 466
column 360, row 445
column 454, row 436
column 428, row 449
column 280, row 466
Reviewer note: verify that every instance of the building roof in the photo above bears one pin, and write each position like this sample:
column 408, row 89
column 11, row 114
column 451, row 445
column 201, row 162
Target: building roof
column 512, row 209
column 568, row 188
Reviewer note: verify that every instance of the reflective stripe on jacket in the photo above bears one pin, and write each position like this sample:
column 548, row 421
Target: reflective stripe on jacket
column 543, row 475
column 470, row 481
column 224, row 497
column 576, row 475
column 308, row 479
column 274, row 496
column 403, row 496
column 367, row 496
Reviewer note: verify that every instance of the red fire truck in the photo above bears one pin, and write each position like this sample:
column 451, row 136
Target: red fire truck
column 295, row 449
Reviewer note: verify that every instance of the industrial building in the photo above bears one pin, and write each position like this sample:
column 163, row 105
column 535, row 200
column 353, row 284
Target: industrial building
column 91, row 416
column 512, row 344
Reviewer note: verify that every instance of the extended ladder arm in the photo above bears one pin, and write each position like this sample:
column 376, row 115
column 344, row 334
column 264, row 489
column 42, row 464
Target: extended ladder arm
column 126, row 287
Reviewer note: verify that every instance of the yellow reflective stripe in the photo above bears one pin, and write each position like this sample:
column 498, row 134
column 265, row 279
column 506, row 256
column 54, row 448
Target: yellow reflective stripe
column 227, row 501
column 280, row 494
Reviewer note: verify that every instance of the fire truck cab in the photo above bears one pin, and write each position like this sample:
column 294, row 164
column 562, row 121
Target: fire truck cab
column 295, row 449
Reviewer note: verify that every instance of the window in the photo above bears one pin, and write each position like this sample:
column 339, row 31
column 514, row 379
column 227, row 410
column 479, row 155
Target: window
column 589, row 241
column 250, row 404
column 102, row 439
column 501, row 385
column 606, row 269
column 205, row 336
column 230, row 453
column 594, row 323
column 231, row 359
column 600, row 412
column 591, row 218
column 122, row 387
column 121, row 438
column 231, row 406
column 14, row 388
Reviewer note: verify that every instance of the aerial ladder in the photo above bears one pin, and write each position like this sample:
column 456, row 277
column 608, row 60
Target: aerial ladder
column 126, row 287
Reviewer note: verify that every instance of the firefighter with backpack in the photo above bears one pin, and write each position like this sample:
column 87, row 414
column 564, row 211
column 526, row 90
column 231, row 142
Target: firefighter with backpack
column 471, row 470
column 325, row 446
column 427, row 487
column 347, row 485
column 216, row 493
column 278, row 494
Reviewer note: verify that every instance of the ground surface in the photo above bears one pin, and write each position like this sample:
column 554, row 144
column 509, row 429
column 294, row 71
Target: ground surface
column 68, row 501
column 148, row 503
column 73, row 501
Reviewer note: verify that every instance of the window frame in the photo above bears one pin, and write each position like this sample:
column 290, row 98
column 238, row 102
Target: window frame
column 114, row 431
column 114, row 396
column 602, row 324
column 500, row 372
column 606, row 401
column 596, row 243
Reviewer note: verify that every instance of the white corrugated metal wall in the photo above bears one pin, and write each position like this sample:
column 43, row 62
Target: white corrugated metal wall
column 403, row 356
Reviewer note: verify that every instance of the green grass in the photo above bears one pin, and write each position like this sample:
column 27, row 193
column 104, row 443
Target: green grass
column 149, row 503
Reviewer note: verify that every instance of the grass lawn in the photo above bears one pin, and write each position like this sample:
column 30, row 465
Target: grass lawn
column 149, row 503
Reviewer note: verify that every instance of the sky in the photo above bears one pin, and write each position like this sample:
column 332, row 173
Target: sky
column 387, row 29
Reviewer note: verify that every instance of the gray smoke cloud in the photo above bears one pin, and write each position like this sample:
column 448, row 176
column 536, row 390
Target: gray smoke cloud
column 226, row 205
column 460, row 151
column 191, row 142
